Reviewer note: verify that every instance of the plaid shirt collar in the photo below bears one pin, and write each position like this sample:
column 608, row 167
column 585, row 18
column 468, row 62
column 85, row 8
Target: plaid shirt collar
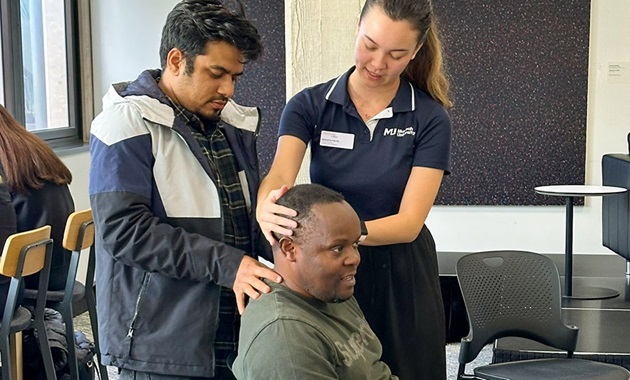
column 193, row 120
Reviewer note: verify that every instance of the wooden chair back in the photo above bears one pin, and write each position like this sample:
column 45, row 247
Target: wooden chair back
column 34, row 261
column 79, row 231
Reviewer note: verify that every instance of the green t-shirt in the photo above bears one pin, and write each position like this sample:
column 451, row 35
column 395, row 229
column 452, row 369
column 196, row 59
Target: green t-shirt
column 285, row 336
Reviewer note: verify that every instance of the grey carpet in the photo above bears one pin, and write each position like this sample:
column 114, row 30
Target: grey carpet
column 82, row 323
column 452, row 363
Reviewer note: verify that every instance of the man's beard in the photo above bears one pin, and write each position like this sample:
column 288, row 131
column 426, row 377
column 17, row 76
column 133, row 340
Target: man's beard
column 215, row 118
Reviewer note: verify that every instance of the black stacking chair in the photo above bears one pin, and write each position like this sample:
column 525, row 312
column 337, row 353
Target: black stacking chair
column 78, row 236
column 517, row 293
column 616, row 208
column 24, row 254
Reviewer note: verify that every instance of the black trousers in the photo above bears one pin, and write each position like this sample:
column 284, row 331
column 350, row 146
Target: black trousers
column 398, row 289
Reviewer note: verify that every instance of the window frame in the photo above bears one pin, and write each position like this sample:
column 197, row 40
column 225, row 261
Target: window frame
column 13, row 73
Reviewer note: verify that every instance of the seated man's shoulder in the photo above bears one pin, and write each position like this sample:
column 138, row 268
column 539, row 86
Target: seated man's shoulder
column 280, row 303
column 283, row 310
column 280, row 338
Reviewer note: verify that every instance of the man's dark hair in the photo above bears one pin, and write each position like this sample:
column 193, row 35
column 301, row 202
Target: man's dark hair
column 194, row 23
column 302, row 198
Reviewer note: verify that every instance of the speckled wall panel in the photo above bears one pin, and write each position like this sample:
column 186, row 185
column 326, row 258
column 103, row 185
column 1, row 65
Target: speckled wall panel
column 519, row 73
column 263, row 83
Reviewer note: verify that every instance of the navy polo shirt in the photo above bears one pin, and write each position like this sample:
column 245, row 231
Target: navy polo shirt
column 370, row 168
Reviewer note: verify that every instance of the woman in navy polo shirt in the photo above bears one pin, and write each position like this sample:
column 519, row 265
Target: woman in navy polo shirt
column 380, row 135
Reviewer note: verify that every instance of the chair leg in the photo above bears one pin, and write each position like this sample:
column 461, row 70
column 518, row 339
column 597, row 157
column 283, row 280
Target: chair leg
column 15, row 340
column 44, row 347
column 5, row 354
column 66, row 313
column 91, row 305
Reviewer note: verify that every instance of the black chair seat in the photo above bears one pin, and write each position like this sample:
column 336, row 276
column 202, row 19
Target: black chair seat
column 21, row 319
column 78, row 293
column 550, row 368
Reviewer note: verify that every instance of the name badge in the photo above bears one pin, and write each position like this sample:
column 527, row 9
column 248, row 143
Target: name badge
column 337, row 140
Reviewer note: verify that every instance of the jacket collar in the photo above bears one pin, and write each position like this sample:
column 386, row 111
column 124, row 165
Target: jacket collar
column 155, row 106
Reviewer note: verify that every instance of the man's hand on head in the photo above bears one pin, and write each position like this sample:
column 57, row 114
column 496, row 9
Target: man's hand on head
column 249, row 281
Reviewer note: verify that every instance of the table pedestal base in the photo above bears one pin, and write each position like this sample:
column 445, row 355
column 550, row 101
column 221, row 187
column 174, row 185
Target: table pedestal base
column 591, row 293
column 569, row 192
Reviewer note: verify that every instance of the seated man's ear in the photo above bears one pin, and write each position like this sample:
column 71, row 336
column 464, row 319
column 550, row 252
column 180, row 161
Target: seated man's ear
column 288, row 248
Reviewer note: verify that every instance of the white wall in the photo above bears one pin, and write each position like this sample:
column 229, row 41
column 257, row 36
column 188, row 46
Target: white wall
column 126, row 37
column 473, row 228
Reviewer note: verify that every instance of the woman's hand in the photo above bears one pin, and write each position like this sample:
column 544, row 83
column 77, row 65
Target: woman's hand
column 274, row 218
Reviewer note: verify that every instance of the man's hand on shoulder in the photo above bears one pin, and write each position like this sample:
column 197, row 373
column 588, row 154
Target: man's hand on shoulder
column 249, row 280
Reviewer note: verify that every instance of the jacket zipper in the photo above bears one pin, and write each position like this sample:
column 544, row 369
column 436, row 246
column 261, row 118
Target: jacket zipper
column 143, row 288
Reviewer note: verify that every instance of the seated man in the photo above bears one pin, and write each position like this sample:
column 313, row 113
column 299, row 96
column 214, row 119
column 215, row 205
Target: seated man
column 310, row 326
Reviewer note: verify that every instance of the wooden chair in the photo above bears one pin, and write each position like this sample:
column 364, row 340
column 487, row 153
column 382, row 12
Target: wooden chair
column 24, row 254
column 78, row 236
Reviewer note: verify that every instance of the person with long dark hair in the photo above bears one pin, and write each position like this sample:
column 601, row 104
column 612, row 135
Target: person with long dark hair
column 380, row 135
column 37, row 181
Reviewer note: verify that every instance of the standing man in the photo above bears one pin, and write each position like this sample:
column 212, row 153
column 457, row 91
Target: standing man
column 173, row 177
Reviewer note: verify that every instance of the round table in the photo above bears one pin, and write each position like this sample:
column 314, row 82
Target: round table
column 569, row 192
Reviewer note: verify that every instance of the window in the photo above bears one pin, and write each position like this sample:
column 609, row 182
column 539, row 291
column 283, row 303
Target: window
column 41, row 80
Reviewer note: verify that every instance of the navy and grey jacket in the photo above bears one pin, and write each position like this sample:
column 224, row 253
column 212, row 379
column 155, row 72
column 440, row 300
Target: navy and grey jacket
column 159, row 229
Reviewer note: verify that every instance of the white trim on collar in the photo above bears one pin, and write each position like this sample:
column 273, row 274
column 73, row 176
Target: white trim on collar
column 413, row 97
column 332, row 88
